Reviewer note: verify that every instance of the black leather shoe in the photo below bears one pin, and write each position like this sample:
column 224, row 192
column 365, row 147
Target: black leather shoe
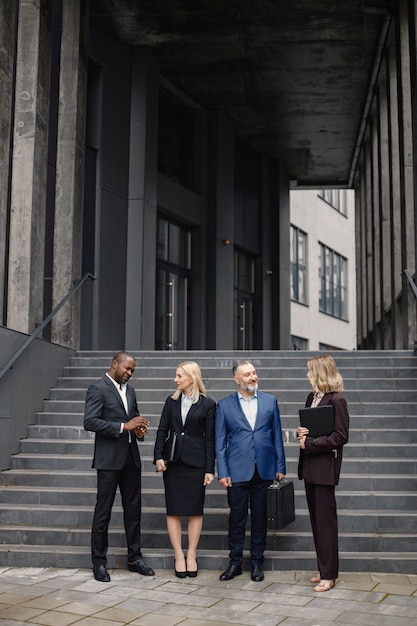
column 140, row 567
column 257, row 574
column 101, row 574
column 180, row 574
column 231, row 572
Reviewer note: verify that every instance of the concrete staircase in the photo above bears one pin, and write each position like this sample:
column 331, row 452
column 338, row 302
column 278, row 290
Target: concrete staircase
column 47, row 497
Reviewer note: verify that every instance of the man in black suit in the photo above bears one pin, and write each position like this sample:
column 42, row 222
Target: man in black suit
column 111, row 412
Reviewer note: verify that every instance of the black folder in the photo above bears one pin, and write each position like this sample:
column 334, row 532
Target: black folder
column 318, row 419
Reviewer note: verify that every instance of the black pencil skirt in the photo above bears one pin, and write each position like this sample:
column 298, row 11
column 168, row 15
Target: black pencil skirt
column 184, row 490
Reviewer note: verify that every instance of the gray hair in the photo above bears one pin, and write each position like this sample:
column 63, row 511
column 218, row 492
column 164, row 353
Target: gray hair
column 237, row 364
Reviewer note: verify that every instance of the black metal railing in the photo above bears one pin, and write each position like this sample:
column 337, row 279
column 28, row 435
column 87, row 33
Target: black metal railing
column 44, row 324
column 411, row 282
column 413, row 286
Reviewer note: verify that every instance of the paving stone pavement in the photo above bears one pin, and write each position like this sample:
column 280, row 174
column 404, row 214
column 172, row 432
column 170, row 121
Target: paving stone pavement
column 60, row 597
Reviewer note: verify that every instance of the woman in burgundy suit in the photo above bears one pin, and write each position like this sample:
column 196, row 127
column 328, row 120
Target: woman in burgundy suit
column 184, row 452
column 319, row 465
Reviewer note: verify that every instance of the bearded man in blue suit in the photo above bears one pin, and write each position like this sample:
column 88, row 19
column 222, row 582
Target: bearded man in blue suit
column 249, row 456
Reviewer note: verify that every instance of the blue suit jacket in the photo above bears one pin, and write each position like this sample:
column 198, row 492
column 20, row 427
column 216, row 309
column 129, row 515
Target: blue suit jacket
column 238, row 446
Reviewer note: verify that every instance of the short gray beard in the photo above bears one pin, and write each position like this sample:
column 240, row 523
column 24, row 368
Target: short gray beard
column 249, row 388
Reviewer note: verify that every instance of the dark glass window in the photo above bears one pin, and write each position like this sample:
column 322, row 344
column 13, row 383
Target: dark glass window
column 173, row 243
column 173, row 280
column 336, row 198
column 298, row 265
column 333, row 279
column 175, row 139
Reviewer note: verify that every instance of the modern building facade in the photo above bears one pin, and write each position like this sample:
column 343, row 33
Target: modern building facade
column 323, row 276
column 153, row 146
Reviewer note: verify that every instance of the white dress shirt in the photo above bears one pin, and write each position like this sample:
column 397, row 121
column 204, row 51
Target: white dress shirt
column 249, row 407
column 121, row 388
column 186, row 402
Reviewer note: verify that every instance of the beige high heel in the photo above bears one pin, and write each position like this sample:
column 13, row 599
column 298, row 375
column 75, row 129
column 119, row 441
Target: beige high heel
column 325, row 585
column 316, row 578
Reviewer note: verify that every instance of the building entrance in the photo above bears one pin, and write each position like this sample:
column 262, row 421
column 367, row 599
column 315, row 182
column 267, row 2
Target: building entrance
column 173, row 274
column 244, row 301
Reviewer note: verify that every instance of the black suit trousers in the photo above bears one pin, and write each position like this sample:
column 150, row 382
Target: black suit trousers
column 242, row 496
column 128, row 480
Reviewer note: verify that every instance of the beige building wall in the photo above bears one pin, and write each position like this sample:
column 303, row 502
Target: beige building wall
column 324, row 225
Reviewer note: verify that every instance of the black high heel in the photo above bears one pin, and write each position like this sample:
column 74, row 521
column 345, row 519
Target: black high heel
column 180, row 574
column 192, row 573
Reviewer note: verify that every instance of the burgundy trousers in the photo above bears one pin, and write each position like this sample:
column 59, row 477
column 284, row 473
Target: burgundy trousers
column 321, row 502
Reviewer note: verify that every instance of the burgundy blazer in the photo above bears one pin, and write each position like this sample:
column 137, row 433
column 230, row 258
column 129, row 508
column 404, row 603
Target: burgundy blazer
column 321, row 460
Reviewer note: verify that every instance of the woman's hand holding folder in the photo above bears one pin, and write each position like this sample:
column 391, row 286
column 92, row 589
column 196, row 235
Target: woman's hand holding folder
column 302, row 434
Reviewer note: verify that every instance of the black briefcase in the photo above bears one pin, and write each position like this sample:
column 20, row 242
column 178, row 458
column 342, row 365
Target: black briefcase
column 280, row 509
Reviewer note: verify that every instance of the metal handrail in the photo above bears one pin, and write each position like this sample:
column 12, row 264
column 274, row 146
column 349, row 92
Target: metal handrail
column 410, row 279
column 45, row 323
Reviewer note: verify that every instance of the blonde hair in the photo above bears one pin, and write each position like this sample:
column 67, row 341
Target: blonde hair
column 192, row 369
column 323, row 374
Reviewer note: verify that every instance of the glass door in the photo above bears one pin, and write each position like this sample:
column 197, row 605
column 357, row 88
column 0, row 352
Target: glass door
column 244, row 323
column 171, row 306
column 172, row 285
column 244, row 301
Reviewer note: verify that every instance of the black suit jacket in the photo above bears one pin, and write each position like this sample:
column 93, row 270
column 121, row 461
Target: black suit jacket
column 104, row 412
column 195, row 439
column 321, row 460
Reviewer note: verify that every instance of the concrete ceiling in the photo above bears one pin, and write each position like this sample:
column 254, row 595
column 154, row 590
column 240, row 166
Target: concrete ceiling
column 293, row 75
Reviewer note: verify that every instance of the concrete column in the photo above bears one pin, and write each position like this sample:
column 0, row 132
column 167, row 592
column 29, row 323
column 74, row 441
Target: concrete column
column 361, row 301
column 395, row 196
column 281, row 257
column 376, row 227
column 369, row 276
column 266, row 273
column 7, row 38
column 29, row 169
column 408, row 246
column 385, row 217
column 413, row 77
column 142, row 204
column 70, row 170
column 223, row 196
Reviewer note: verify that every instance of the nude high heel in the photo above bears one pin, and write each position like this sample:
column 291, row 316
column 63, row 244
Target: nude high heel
column 325, row 585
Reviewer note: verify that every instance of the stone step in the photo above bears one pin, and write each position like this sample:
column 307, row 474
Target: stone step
column 84, row 447
column 66, row 462
column 210, row 540
column 58, row 556
column 79, row 516
column 157, row 367
column 384, row 422
column 154, row 407
column 281, row 384
column 295, row 396
column 356, row 435
column 84, row 490
column 224, row 360
column 78, row 478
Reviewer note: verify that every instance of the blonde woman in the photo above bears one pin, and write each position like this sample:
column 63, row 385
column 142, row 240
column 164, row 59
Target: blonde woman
column 319, row 465
column 184, row 452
